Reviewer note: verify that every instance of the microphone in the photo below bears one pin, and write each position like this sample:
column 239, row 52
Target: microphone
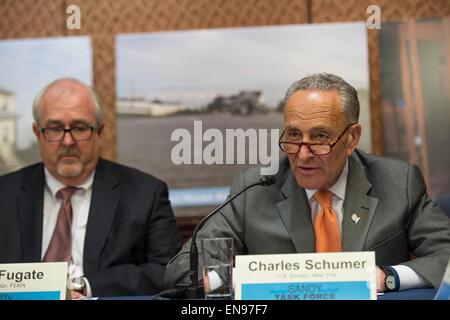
column 195, row 290
column 267, row 181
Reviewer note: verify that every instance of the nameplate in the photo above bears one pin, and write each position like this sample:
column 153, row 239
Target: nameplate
column 444, row 289
column 33, row 281
column 319, row 276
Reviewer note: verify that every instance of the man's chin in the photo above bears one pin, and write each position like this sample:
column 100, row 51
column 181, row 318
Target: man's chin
column 69, row 170
column 69, row 159
column 308, row 183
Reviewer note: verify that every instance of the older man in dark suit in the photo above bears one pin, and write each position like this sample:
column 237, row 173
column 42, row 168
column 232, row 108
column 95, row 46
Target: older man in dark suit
column 112, row 224
column 331, row 197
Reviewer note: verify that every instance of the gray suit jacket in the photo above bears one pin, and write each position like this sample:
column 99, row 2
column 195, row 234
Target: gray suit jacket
column 397, row 218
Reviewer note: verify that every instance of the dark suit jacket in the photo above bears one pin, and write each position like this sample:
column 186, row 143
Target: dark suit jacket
column 131, row 232
column 397, row 218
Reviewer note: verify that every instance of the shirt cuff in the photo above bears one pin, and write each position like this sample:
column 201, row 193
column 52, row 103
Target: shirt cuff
column 214, row 280
column 409, row 279
column 88, row 288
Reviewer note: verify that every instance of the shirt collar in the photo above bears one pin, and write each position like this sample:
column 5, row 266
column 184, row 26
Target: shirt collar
column 54, row 185
column 338, row 188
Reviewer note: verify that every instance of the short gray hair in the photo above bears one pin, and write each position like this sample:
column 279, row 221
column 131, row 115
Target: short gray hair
column 99, row 116
column 328, row 81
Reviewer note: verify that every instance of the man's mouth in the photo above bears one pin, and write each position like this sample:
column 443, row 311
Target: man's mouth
column 68, row 157
column 307, row 170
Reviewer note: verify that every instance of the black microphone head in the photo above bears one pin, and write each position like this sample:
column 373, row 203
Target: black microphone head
column 268, row 180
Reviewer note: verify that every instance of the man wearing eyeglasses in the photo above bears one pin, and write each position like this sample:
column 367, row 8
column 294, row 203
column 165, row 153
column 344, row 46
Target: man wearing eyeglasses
column 112, row 224
column 331, row 197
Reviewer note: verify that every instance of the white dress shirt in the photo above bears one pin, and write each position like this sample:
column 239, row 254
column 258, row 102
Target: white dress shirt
column 81, row 200
column 408, row 277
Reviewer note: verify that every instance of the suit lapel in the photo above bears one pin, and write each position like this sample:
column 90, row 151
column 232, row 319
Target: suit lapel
column 359, row 209
column 30, row 206
column 104, row 201
column 296, row 215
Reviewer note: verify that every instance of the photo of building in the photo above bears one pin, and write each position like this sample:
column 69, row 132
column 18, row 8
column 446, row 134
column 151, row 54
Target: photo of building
column 8, row 130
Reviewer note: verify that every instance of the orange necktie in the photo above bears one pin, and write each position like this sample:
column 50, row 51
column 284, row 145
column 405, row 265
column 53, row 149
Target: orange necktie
column 326, row 226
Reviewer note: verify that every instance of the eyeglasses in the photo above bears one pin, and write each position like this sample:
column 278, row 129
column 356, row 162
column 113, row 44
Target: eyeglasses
column 81, row 133
column 318, row 149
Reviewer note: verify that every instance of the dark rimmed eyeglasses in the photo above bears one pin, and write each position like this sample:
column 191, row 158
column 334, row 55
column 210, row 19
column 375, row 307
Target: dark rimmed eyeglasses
column 318, row 149
column 79, row 133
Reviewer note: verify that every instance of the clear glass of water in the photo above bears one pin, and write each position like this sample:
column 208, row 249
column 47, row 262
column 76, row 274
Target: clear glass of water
column 217, row 256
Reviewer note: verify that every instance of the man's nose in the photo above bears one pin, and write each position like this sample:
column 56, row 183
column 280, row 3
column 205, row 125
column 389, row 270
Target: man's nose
column 67, row 139
column 304, row 153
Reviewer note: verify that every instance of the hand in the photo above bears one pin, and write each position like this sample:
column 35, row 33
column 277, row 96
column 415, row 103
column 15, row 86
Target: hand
column 76, row 295
column 206, row 284
column 381, row 276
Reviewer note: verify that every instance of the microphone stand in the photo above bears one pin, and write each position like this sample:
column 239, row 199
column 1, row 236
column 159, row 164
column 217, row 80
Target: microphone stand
column 195, row 289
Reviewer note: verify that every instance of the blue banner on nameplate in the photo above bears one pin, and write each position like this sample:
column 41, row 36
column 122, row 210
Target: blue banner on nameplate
column 444, row 289
column 33, row 295
column 354, row 290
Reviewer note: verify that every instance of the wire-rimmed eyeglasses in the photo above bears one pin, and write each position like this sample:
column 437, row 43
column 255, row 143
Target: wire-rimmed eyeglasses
column 319, row 149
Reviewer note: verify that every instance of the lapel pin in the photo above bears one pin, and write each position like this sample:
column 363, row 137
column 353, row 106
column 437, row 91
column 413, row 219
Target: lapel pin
column 355, row 218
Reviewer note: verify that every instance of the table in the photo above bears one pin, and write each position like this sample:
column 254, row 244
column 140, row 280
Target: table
column 413, row 294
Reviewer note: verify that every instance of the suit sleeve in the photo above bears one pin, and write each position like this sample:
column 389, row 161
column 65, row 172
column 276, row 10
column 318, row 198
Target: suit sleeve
column 428, row 231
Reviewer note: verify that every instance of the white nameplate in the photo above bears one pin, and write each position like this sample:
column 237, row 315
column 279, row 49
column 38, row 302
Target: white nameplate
column 318, row 276
column 444, row 289
column 33, row 281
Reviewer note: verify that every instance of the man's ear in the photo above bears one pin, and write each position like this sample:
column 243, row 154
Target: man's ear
column 36, row 130
column 353, row 138
column 100, row 129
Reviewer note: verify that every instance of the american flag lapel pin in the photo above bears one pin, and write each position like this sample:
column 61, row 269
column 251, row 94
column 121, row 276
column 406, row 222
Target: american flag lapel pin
column 355, row 218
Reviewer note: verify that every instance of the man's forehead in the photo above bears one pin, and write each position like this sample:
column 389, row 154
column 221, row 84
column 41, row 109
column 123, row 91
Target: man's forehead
column 67, row 111
column 318, row 107
column 314, row 98
column 318, row 114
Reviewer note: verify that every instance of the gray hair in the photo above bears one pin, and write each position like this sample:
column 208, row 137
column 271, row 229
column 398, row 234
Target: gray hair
column 328, row 81
column 99, row 116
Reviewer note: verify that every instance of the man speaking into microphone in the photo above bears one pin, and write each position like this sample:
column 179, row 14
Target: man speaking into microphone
column 330, row 196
